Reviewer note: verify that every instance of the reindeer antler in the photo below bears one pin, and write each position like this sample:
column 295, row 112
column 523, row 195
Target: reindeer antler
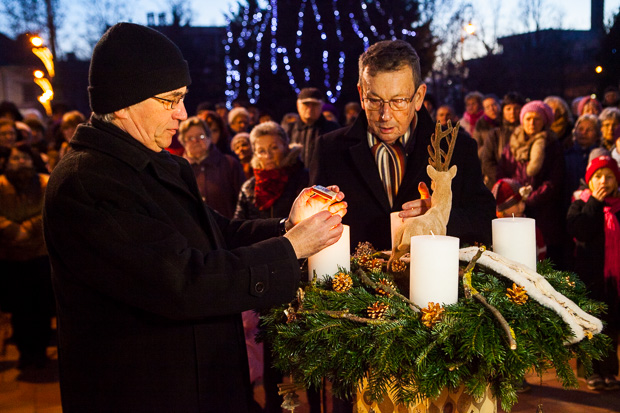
column 439, row 159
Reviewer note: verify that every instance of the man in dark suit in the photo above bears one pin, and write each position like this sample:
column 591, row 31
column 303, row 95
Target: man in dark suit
column 380, row 159
column 150, row 283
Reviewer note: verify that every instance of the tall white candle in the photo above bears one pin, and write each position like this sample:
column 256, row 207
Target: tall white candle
column 515, row 239
column 434, row 269
column 327, row 261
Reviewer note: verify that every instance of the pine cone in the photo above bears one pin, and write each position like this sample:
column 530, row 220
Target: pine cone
column 385, row 282
column 376, row 265
column 363, row 249
column 432, row 314
column 399, row 266
column 342, row 282
column 377, row 309
column 364, row 261
column 517, row 294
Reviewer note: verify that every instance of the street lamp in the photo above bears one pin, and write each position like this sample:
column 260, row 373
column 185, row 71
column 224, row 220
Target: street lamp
column 47, row 58
column 43, row 53
column 470, row 28
column 48, row 91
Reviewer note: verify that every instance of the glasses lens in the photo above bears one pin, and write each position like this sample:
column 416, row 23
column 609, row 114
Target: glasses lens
column 398, row 104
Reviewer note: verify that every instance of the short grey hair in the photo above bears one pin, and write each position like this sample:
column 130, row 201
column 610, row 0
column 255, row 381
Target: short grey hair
column 188, row 123
column 589, row 117
column 268, row 128
column 390, row 56
column 106, row 117
column 610, row 113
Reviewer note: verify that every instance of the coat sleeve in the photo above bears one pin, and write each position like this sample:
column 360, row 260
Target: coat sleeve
column 113, row 240
column 473, row 206
column 584, row 220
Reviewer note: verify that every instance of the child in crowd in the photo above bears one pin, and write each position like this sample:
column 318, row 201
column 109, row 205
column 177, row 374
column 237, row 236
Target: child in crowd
column 593, row 221
column 510, row 197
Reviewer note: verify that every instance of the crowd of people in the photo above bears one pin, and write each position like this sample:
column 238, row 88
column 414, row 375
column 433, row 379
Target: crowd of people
column 546, row 159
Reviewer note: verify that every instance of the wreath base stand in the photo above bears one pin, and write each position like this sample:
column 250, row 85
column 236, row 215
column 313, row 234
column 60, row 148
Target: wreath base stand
column 449, row 401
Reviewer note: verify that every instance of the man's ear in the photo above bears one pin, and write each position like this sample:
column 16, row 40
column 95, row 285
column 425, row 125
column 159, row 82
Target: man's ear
column 418, row 99
column 359, row 91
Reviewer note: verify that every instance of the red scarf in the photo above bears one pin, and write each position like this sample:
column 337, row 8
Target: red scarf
column 612, row 238
column 472, row 119
column 269, row 186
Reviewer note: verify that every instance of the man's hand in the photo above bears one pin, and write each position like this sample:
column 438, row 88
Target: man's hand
column 418, row 206
column 315, row 233
column 307, row 205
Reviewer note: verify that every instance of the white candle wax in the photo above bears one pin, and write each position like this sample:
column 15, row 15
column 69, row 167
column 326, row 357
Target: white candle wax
column 395, row 224
column 434, row 269
column 515, row 239
column 327, row 261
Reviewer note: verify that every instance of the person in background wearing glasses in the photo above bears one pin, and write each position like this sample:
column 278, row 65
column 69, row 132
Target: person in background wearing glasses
column 219, row 176
column 149, row 281
column 394, row 124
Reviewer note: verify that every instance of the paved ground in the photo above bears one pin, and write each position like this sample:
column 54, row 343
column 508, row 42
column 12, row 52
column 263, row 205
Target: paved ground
column 37, row 391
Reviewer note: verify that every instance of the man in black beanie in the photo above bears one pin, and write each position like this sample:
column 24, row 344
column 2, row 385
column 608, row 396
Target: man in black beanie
column 149, row 281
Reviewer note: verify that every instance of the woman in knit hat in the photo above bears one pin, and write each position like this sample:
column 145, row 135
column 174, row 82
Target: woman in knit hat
column 593, row 222
column 534, row 157
column 589, row 105
column 239, row 120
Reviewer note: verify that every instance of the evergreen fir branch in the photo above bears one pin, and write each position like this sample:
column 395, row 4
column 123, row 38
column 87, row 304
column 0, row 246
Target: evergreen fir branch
column 466, row 348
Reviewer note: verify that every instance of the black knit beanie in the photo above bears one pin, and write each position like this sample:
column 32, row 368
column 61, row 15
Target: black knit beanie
column 132, row 63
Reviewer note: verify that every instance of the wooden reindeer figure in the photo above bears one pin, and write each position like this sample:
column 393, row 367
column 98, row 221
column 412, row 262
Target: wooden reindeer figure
column 435, row 220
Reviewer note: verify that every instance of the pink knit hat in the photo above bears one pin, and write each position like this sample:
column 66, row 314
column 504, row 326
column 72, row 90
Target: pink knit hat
column 540, row 107
column 604, row 161
column 584, row 101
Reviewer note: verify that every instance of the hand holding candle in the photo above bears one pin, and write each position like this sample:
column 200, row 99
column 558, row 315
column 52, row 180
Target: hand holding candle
column 309, row 203
column 327, row 261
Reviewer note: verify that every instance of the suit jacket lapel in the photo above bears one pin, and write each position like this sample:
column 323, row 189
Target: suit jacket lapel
column 364, row 162
column 417, row 160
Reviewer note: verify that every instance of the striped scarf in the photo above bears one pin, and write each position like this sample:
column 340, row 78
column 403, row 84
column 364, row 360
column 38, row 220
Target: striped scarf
column 391, row 162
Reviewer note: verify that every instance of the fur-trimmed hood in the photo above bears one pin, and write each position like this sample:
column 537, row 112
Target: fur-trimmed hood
column 530, row 149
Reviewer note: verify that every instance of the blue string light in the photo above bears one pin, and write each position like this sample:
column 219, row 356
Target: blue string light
column 254, row 27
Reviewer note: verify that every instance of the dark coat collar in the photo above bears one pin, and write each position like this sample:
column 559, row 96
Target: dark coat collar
column 417, row 154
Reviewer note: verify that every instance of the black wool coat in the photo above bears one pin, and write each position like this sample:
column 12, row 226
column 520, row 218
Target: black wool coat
column 150, row 282
column 343, row 158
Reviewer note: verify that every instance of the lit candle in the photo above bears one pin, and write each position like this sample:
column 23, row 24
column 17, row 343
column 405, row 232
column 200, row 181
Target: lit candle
column 515, row 239
column 434, row 269
column 327, row 261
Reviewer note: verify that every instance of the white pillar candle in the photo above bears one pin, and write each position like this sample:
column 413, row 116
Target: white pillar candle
column 515, row 239
column 327, row 261
column 395, row 224
column 434, row 270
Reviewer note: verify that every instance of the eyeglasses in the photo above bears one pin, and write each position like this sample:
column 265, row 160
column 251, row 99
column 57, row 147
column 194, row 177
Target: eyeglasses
column 196, row 138
column 395, row 104
column 170, row 104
